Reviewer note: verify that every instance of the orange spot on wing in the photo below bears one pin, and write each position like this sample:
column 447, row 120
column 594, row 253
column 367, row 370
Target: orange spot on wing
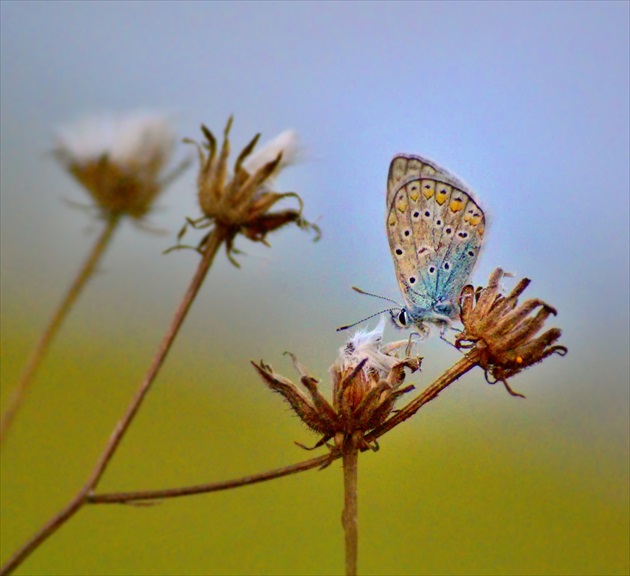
column 456, row 205
column 428, row 189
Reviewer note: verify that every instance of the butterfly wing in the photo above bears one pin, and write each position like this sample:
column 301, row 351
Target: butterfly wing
column 435, row 230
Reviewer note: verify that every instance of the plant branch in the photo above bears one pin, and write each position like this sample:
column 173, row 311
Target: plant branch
column 349, row 517
column 133, row 497
column 38, row 354
column 453, row 373
column 214, row 242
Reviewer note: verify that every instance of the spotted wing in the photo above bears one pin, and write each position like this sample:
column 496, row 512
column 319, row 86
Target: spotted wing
column 435, row 230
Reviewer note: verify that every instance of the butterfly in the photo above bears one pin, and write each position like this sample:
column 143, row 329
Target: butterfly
column 435, row 230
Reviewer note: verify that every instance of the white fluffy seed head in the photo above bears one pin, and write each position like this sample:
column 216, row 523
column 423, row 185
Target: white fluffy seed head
column 140, row 139
column 367, row 344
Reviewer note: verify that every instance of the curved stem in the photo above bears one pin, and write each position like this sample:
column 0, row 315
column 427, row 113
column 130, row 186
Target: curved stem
column 132, row 497
column 214, row 242
column 37, row 356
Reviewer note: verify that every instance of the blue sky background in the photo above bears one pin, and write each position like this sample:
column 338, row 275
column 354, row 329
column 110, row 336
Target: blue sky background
column 527, row 102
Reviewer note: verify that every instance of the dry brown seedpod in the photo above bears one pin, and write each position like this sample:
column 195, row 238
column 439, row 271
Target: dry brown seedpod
column 504, row 332
column 120, row 160
column 367, row 380
column 240, row 202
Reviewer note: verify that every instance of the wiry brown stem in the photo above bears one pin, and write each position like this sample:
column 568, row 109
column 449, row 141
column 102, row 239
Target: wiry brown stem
column 213, row 244
column 350, row 515
column 37, row 356
column 132, row 497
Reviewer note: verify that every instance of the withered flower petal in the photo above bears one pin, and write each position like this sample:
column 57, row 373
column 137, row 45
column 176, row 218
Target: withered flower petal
column 302, row 406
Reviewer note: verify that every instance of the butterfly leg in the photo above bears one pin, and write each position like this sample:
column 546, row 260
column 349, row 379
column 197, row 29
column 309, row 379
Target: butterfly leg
column 443, row 328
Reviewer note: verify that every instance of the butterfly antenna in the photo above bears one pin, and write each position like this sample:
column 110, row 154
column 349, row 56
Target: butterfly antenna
column 364, row 319
column 375, row 296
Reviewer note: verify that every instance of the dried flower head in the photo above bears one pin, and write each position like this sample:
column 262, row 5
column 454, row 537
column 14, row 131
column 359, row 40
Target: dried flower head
column 503, row 333
column 367, row 380
column 119, row 160
column 240, row 203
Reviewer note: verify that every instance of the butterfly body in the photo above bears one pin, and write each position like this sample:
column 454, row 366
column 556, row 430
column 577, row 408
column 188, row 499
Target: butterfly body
column 435, row 230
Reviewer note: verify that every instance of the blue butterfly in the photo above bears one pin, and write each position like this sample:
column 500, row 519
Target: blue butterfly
column 435, row 231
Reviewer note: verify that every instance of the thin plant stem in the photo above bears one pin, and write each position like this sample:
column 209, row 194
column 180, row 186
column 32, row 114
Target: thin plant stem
column 431, row 392
column 135, row 497
column 455, row 372
column 349, row 517
column 37, row 356
column 212, row 246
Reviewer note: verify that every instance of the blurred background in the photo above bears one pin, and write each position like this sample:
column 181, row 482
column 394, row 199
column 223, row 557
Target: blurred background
column 527, row 102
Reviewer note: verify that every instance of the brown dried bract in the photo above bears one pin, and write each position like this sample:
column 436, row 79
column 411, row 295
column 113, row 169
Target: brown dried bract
column 502, row 332
column 239, row 203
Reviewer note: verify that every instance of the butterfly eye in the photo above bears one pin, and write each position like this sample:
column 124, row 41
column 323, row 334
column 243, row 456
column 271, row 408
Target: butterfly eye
column 402, row 317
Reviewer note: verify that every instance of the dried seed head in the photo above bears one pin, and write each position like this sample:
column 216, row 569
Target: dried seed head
column 367, row 380
column 502, row 333
column 241, row 201
column 119, row 160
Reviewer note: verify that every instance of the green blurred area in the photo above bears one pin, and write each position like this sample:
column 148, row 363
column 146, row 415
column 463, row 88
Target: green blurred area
column 474, row 484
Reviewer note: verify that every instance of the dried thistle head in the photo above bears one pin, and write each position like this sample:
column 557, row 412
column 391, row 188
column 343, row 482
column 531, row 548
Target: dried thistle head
column 241, row 202
column 119, row 160
column 367, row 380
column 503, row 333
